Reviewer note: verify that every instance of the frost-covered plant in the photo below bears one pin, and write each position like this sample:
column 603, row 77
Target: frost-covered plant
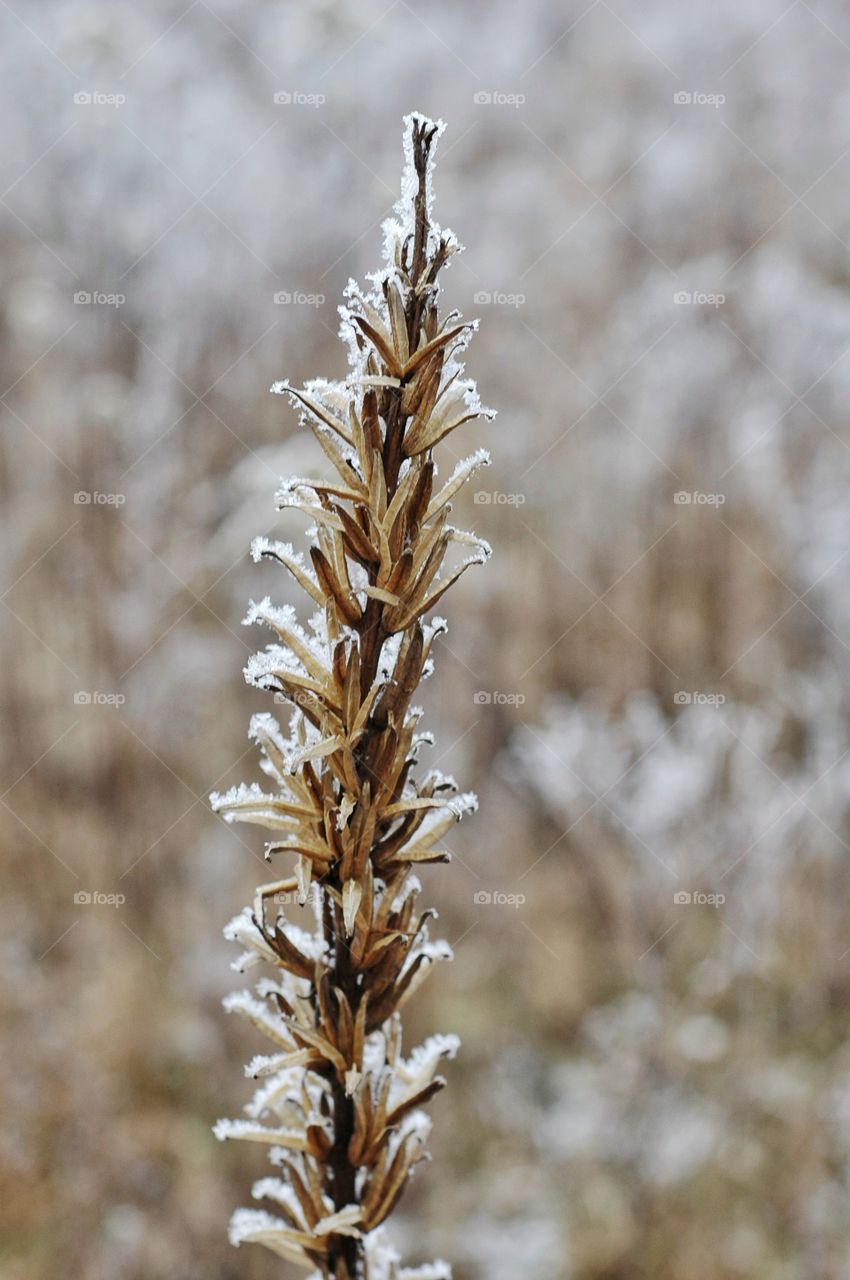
column 340, row 1105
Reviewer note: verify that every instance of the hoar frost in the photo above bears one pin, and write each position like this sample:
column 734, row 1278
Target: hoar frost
column 338, row 1104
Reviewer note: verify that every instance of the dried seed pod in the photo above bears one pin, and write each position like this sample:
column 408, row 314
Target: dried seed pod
column 339, row 1105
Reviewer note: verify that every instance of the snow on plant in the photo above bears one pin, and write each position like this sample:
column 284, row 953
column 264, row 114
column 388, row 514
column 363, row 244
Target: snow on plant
column 340, row 1105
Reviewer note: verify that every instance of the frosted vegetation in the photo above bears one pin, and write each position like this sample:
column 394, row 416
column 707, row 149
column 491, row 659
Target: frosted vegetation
column 340, row 1106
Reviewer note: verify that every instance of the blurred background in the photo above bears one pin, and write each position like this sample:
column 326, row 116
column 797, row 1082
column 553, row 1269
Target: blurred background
column 646, row 686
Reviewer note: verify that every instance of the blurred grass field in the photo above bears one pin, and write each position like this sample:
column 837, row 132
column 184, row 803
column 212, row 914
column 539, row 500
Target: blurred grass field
column 646, row 686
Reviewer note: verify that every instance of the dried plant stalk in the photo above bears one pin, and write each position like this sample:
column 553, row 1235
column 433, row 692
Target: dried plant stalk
column 340, row 1107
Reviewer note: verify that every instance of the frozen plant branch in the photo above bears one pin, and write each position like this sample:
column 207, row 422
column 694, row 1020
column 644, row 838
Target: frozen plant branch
column 339, row 1105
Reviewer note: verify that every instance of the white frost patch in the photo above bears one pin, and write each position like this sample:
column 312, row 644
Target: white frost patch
column 275, row 658
column 383, row 1262
column 278, row 1190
